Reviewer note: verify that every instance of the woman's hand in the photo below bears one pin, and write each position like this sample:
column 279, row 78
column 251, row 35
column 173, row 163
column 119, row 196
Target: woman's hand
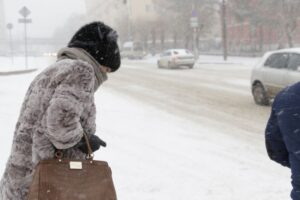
column 94, row 141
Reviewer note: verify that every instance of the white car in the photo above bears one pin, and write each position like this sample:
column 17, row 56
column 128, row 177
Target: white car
column 275, row 71
column 174, row 58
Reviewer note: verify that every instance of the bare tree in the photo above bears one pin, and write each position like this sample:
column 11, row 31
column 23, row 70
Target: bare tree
column 289, row 17
column 281, row 16
column 177, row 14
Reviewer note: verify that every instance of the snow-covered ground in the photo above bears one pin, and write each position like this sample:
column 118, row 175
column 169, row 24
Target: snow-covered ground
column 18, row 63
column 155, row 155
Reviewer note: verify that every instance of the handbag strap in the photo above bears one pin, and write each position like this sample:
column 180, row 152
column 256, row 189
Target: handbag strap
column 89, row 156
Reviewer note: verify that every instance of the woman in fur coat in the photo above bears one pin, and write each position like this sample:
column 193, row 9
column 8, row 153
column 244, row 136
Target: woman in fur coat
column 59, row 107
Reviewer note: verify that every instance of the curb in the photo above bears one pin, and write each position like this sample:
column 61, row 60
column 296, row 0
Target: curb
column 17, row 72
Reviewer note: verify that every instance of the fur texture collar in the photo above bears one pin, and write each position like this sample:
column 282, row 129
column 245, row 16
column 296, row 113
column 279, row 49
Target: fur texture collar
column 81, row 54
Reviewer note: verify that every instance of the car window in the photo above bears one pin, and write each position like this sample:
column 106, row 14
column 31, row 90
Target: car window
column 164, row 53
column 138, row 48
column 294, row 61
column 180, row 52
column 278, row 61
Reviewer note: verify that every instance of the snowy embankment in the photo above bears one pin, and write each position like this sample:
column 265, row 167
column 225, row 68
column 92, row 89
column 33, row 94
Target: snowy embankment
column 155, row 155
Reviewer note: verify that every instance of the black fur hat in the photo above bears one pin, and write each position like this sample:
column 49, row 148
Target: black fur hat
column 100, row 41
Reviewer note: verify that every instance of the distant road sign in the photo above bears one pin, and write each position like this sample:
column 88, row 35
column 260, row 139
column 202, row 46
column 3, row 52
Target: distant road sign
column 9, row 26
column 25, row 21
column 194, row 22
column 24, row 11
column 194, row 13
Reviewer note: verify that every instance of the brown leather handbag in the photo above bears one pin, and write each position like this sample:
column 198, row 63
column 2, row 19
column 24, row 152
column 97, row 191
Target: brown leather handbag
column 65, row 179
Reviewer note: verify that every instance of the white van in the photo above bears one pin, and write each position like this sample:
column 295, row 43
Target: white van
column 132, row 50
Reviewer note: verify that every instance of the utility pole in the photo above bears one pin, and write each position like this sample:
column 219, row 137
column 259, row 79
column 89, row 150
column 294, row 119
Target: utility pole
column 129, row 18
column 9, row 26
column 25, row 12
column 224, row 29
column 194, row 25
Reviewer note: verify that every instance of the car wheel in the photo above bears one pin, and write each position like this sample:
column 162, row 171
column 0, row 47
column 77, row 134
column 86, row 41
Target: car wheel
column 158, row 64
column 169, row 65
column 191, row 66
column 260, row 95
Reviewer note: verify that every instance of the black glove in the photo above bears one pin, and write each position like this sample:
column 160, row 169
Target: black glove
column 95, row 143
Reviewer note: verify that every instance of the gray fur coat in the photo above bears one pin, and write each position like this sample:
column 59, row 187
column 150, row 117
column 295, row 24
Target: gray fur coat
column 58, row 107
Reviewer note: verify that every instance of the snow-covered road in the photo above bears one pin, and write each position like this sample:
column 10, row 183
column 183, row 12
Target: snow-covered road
column 175, row 134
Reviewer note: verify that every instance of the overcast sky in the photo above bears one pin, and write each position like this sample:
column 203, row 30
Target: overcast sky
column 46, row 15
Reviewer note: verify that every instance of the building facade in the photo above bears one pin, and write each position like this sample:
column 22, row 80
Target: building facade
column 110, row 10
column 142, row 9
column 124, row 16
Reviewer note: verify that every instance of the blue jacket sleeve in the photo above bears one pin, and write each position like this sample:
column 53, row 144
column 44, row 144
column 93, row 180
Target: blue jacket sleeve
column 275, row 145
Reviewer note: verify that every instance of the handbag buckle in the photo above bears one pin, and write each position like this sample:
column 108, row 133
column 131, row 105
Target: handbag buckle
column 75, row 165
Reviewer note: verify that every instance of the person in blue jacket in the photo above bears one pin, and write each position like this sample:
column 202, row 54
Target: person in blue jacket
column 282, row 133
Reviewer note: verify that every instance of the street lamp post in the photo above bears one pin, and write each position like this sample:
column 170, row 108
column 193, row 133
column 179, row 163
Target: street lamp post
column 224, row 29
column 25, row 12
column 9, row 26
column 129, row 18
column 223, row 15
column 194, row 25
